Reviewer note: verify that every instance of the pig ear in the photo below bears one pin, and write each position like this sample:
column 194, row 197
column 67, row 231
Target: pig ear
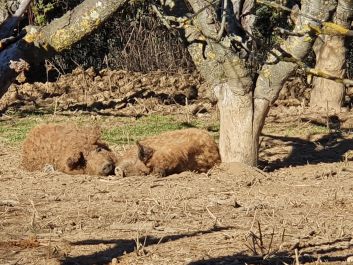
column 75, row 161
column 94, row 134
column 144, row 152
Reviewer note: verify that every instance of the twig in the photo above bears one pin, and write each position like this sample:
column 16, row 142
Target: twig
column 138, row 244
column 278, row 6
column 50, row 65
column 181, row 20
column 271, row 241
column 16, row 261
column 203, row 8
column 163, row 18
column 296, row 257
column 223, row 22
column 217, row 222
column 253, row 220
column 320, row 73
column 288, row 32
column 110, row 73
column 253, row 236
column 260, row 238
column 35, row 213
column 283, row 234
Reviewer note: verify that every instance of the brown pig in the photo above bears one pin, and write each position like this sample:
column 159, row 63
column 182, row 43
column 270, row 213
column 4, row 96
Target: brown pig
column 170, row 153
column 69, row 149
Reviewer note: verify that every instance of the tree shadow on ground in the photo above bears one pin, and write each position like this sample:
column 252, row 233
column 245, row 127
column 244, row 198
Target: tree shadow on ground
column 329, row 148
column 318, row 253
column 122, row 247
column 280, row 258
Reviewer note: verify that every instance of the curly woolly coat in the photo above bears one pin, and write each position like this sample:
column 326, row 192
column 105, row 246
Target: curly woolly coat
column 169, row 153
column 69, row 148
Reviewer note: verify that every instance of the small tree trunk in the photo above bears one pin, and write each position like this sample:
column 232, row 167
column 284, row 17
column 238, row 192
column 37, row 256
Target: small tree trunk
column 238, row 141
column 330, row 58
column 3, row 10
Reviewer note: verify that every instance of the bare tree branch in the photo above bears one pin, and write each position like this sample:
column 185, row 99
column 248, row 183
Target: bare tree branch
column 217, row 61
column 61, row 33
column 55, row 37
column 319, row 73
column 278, row 6
column 285, row 57
column 289, row 32
column 247, row 18
column 272, row 77
column 6, row 28
column 182, row 21
column 224, row 17
column 329, row 28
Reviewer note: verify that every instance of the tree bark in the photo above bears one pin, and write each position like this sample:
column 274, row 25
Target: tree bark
column 59, row 35
column 238, row 141
column 3, row 11
column 330, row 58
column 275, row 72
column 232, row 84
column 62, row 33
column 243, row 109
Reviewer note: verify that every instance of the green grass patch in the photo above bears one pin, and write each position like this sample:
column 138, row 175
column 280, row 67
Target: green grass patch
column 132, row 131
column 16, row 131
column 294, row 129
column 116, row 130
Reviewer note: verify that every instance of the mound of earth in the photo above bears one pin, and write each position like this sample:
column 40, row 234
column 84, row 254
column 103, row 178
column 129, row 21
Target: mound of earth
column 108, row 89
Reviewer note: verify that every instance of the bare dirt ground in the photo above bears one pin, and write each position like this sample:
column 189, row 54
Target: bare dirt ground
column 297, row 210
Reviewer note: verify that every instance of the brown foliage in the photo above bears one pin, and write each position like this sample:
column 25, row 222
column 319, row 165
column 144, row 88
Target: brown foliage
column 68, row 148
column 171, row 152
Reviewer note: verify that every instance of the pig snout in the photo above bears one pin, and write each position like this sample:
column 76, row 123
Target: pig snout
column 108, row 169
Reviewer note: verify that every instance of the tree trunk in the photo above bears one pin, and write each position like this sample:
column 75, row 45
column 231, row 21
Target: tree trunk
column 238, row 141
column 3, row 10
column 232, row 84
column 242, row 107
column 330, row 58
